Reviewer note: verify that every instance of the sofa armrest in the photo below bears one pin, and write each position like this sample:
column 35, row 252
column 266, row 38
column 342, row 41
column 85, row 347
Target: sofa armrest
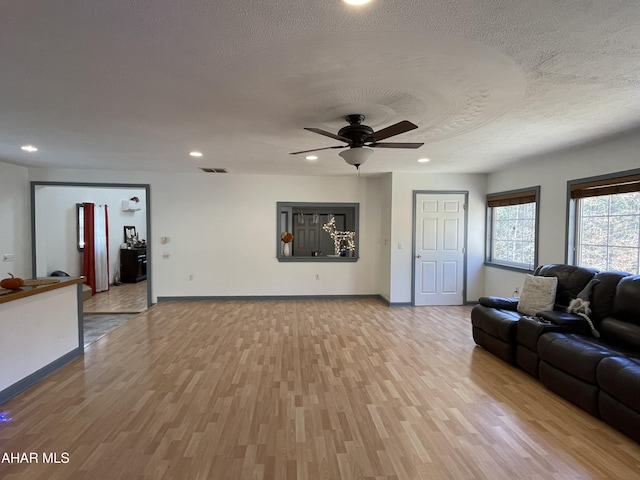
column 500, row 302
column 560, row 317
column 531, row 328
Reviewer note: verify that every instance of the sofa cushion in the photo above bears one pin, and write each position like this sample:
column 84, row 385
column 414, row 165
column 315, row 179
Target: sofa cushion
column 618, row 332
column 625, row 303
column 571, row 281
column 538, row 294
column 603, row 293
column 620, row 378
column 575, row 354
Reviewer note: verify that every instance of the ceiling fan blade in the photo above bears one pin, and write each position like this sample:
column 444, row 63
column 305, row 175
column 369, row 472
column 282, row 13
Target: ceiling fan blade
column 395, row 145
column 395, row 129
column 328, row 134
column 317, row 149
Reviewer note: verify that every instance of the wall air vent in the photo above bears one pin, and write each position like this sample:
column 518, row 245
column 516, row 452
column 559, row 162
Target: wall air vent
column 213, row 170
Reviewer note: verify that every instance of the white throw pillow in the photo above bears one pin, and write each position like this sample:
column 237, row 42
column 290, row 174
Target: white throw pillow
column 538, row 294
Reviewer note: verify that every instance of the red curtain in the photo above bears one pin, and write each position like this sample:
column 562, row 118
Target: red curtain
column 95, row 264
column 89, row 253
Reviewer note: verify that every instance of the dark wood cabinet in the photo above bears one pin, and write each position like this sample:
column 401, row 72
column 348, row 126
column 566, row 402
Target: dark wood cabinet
column 133, row 265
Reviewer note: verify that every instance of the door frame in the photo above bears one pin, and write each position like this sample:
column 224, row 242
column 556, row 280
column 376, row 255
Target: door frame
column 413, row 238
column 144, row 186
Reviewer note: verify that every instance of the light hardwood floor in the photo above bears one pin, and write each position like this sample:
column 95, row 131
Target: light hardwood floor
column 124, row 298
column 343, row 389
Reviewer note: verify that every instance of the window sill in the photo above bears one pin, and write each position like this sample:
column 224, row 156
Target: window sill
column 513, row 268
column 318, row 259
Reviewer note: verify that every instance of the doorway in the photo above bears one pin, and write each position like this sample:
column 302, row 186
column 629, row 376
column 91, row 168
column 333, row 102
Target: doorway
column 55, row 245
column 439, row 248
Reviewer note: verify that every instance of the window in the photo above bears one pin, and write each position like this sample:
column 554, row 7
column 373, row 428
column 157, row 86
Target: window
column 312, row 241
column 512, row 226
column 80, row 226
column 606, row 222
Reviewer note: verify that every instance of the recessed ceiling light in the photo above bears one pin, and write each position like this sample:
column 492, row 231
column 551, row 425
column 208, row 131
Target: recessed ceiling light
column 423, row 160
column 195, row 153
column 29, row 148
column 311, row 157
column 356, row 2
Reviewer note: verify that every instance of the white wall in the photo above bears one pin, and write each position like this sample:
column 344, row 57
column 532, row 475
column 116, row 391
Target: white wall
column 56, row 247
column 222, row 230
column 36, row 331
column 404, row 184
column 222, row 227
column 551, row 172
column 15, row 220
column 384, row 278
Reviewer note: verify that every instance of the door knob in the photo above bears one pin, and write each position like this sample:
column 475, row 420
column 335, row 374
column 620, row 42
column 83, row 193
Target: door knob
column 418, row 255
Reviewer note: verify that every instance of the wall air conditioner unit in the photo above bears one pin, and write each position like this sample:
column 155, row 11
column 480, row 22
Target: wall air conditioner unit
column 130, row 205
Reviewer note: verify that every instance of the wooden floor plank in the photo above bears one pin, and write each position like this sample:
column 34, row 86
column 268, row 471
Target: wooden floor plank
column 309, row 389
column 123, row 298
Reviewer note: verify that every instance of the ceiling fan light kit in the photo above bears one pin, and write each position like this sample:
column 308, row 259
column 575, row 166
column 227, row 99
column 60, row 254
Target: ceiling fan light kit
column 360, row 139
column 356, row 156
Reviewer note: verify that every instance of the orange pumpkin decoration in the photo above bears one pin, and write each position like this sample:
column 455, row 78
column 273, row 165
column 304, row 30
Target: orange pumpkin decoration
column 13, row 283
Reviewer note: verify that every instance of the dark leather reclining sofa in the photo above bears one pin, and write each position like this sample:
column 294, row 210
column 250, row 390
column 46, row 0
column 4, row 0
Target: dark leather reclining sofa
column 599, row 374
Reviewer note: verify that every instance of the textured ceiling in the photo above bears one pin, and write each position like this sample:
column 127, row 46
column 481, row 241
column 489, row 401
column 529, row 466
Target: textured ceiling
column 137, row 85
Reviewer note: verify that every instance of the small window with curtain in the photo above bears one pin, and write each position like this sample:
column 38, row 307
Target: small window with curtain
column 80, row 226
column 512, row 229
column 604, row 224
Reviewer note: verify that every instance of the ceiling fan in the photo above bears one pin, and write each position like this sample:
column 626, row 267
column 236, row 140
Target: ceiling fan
column 361, row 138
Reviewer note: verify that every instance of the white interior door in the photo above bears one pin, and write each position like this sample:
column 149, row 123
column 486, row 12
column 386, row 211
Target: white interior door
column 439, row 249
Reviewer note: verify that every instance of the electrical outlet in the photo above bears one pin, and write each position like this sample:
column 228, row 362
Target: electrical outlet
column 317, row 276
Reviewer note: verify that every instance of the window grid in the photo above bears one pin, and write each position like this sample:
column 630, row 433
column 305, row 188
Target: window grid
column 608, row 236
column 80, row 225
column 513, row 235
